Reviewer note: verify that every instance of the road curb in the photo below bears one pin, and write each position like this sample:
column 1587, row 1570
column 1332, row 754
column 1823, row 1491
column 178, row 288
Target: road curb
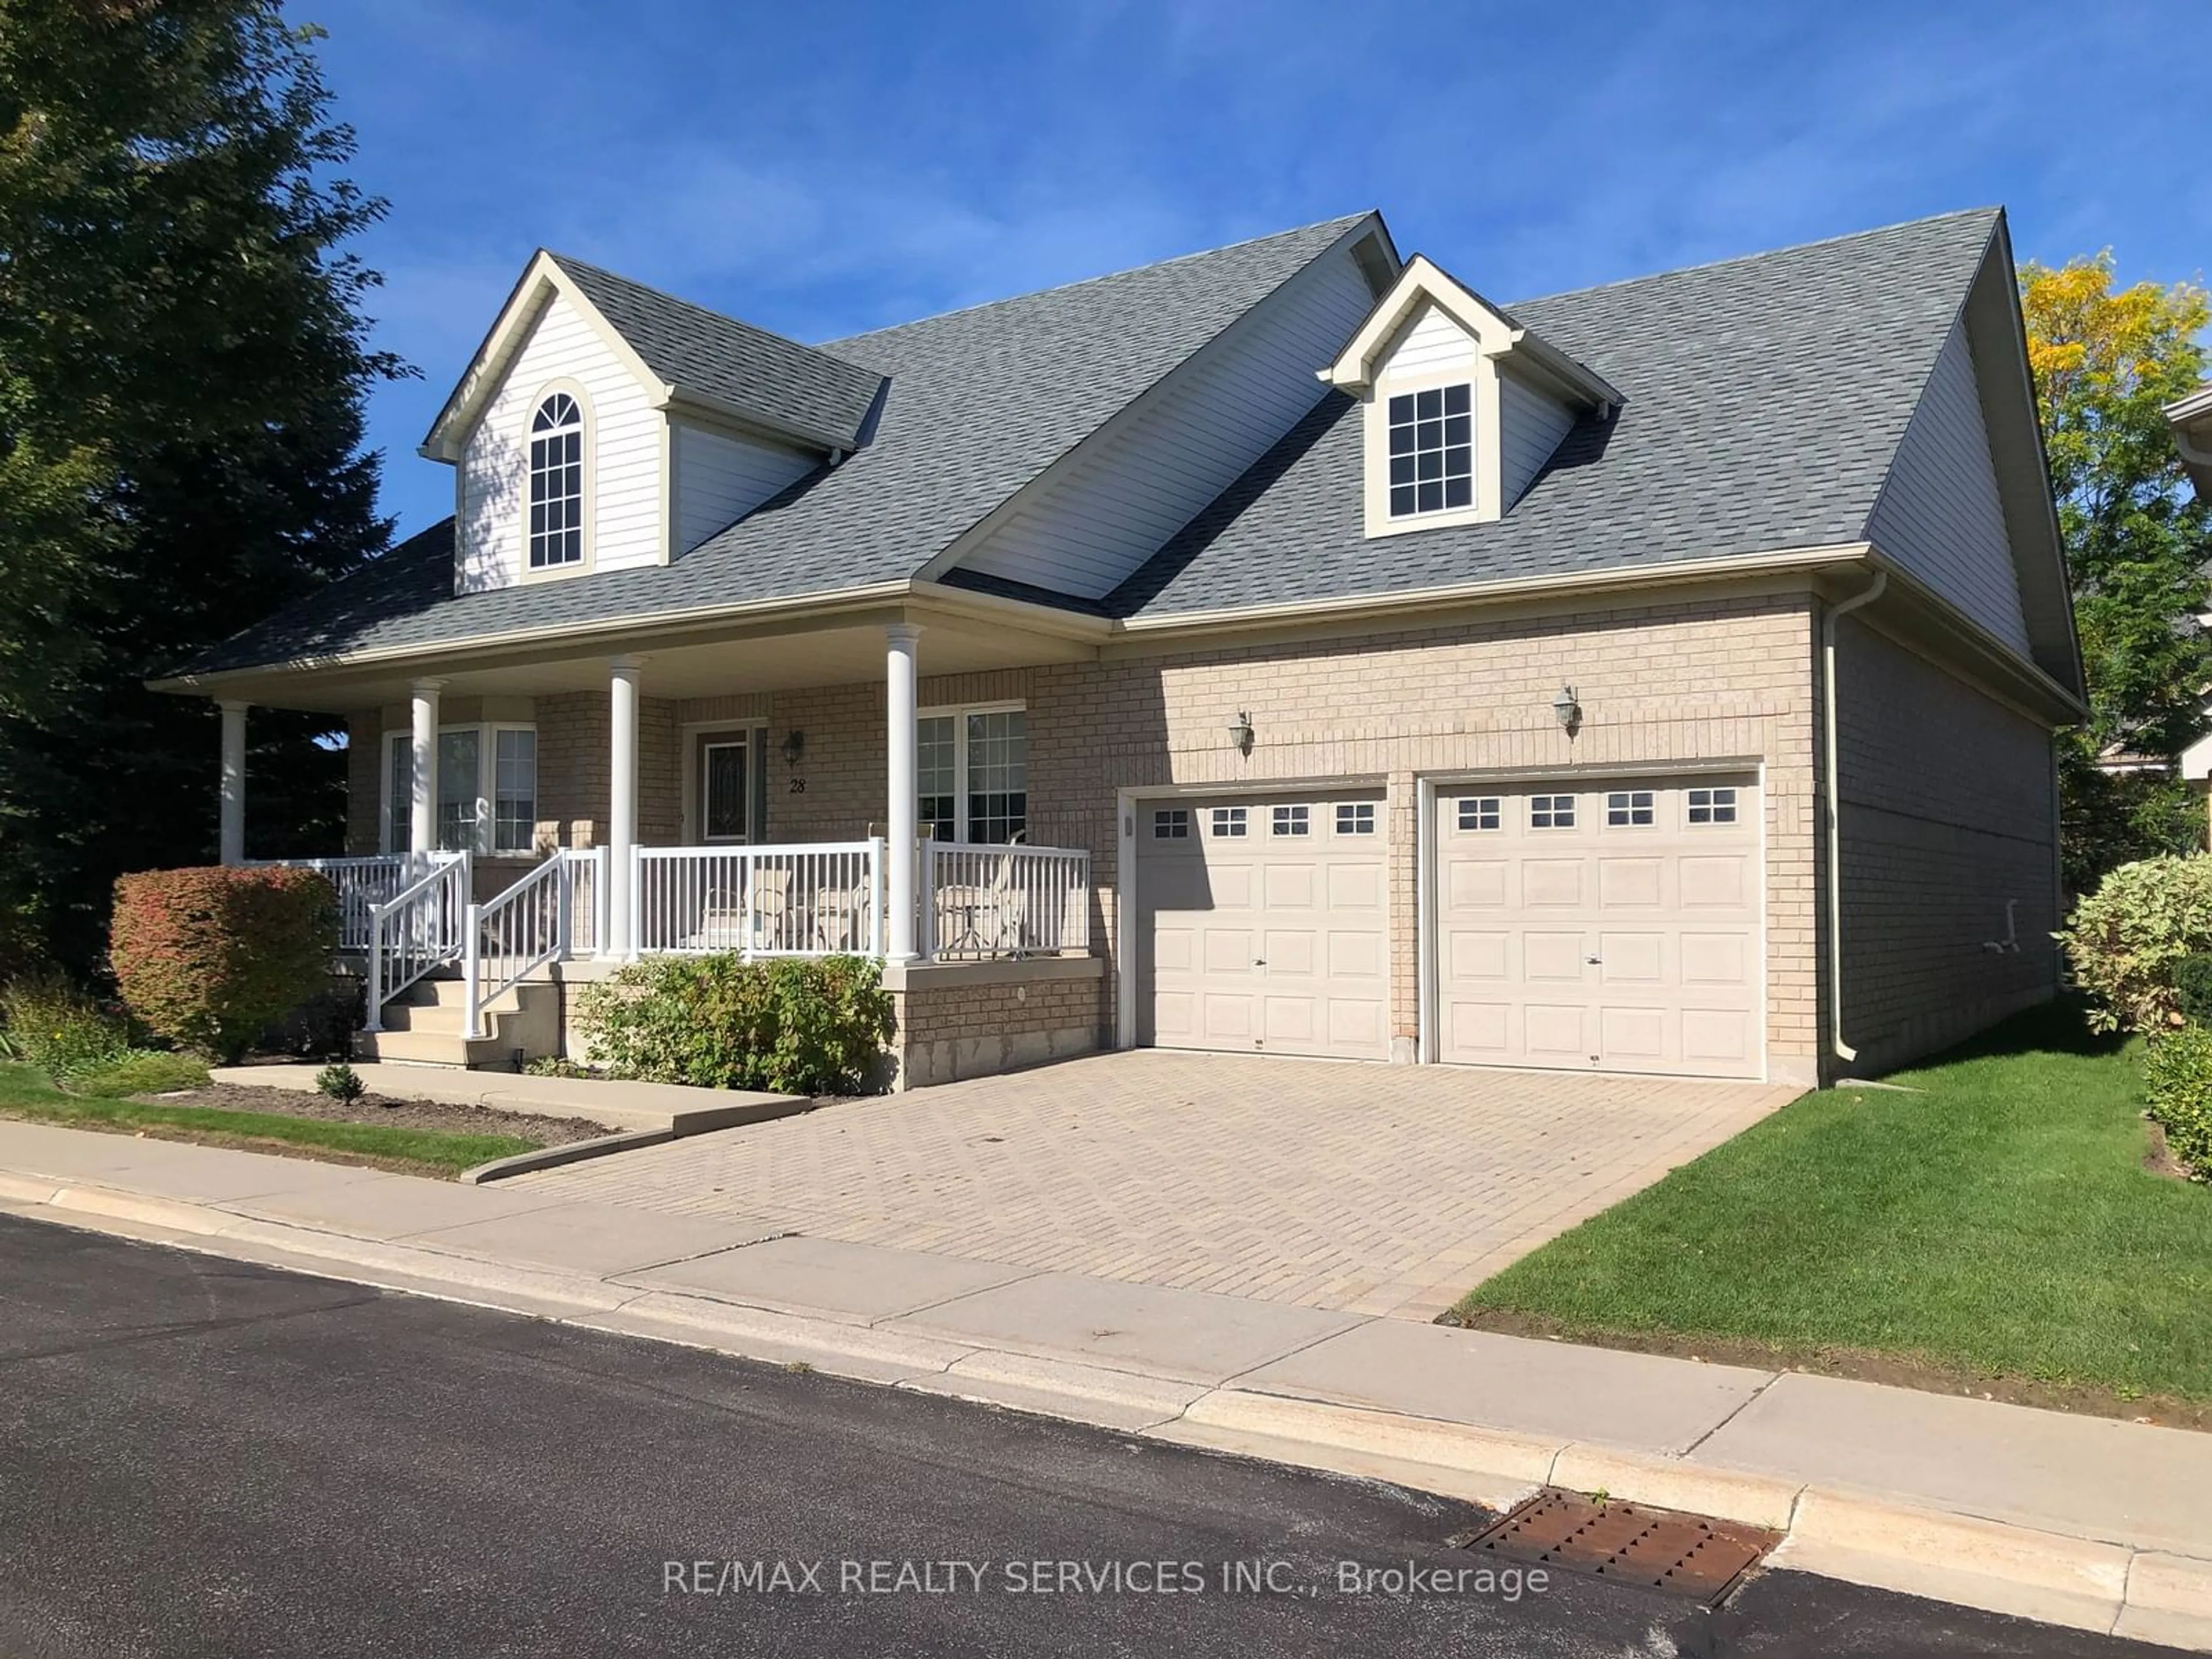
column 1998, row 1566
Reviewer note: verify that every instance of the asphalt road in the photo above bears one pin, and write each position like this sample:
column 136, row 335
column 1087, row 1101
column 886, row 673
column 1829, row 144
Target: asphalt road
column 204, row 1457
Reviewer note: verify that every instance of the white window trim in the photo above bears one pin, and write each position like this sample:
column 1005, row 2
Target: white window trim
column 958, row 712
column 1489, row 465
column 487, row 787
column 588, row 506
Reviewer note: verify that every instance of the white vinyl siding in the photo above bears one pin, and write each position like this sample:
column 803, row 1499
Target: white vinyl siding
column 721, row 479
column 1940, row 515
column 1104, row 510
column 1429, row 343
column 1530, row 426
column 621, row 449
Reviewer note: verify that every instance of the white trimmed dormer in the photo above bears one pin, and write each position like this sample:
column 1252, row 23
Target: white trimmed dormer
column 603, row 426
column 1462, row 404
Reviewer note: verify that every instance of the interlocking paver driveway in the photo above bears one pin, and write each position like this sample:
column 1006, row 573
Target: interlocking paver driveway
column 1369, row 1188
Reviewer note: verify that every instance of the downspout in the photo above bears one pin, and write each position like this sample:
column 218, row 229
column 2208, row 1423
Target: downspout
column 1836, row 614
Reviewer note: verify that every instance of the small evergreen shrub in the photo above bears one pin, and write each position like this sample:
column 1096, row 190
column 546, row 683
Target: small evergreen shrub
column 56, row 1026
column 210, row 957
column 2178, row 1073
column 790, row 1026
column 2192, row 988
column 139, row 1072
column 341, row 1082
column 2127, row 940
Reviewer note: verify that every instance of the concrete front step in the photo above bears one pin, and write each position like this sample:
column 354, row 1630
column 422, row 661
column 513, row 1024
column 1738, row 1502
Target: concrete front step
column 432, row 1048
column 424, row 1026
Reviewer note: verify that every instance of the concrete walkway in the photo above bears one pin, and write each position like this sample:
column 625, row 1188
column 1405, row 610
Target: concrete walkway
column 619, row 1105
column 2079, row 1520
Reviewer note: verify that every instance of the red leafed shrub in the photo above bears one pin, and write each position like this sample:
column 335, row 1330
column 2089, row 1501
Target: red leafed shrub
column 208, row 957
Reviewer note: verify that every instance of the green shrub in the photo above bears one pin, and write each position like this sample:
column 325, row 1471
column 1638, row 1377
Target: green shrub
column 791, row 1026
column 2127, row 939
column 210, row 957
column 139, row 1072
column 55, row 1026
column 2178, row 1072
column 2192, row 988
column 341, row 1082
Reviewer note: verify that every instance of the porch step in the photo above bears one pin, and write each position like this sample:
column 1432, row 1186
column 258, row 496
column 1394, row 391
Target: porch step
column 424, row 1024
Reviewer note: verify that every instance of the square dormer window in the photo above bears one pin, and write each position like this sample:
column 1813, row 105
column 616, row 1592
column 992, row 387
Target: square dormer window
column 1432, row 450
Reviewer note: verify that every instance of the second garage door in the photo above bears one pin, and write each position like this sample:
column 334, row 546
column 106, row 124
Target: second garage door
column 1260, row 924
column 1613, row 926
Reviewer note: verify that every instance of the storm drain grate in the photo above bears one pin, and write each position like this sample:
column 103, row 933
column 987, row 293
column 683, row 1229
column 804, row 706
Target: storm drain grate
column 1662, row 1548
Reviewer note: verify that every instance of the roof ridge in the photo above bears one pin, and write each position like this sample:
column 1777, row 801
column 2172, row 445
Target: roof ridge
column 1764, row 253
column 1345, row 220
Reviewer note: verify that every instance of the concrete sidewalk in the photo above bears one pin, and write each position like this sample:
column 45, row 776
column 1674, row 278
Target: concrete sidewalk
column 2084, row 1522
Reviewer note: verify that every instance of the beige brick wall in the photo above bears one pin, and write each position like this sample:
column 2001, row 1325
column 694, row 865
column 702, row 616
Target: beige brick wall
column 1947, row 812
column 364, row 782
column 1710, row 677
column 949, row 1030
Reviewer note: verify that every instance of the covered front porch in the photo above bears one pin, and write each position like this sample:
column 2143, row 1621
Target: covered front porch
column 790, row 791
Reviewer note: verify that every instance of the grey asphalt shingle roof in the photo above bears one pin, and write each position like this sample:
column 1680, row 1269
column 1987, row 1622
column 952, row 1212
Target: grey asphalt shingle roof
column 1766, row 398
column 980, row 401
column 786, row 385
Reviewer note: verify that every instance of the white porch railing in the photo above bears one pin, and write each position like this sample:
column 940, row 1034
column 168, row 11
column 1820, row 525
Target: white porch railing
column 555, row 913
column 817, row 899
column 981, row 901
column 361, row 883
column 419, row 928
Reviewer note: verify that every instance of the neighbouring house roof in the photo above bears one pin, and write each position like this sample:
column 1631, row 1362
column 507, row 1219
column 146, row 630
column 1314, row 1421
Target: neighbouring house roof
column 1766, row 397
column 718, row 360
column 2191, row 420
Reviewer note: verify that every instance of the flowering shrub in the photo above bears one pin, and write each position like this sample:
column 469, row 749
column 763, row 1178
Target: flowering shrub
column 792, row 1025
column 2127, row 939
column 210, row 957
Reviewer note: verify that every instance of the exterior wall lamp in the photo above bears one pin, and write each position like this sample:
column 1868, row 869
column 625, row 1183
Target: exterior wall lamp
column 1568, row 709
column 1240, row 732
column 795, row 745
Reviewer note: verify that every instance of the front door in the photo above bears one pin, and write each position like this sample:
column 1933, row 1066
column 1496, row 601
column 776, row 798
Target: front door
column 725, row 789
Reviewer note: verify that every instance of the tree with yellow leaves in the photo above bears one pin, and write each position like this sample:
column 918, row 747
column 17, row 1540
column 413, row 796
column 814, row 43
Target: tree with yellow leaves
column 2138, row 541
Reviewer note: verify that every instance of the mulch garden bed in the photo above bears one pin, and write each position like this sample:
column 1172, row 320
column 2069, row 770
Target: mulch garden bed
column 442, row 1117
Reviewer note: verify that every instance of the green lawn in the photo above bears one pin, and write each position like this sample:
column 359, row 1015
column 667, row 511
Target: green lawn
column 25, row 1093
column 1998, row 1223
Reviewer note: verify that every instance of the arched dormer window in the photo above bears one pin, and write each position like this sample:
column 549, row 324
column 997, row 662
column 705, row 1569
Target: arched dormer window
column 557, row 483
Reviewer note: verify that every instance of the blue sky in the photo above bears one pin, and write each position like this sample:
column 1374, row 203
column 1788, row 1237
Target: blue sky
column 822, row 169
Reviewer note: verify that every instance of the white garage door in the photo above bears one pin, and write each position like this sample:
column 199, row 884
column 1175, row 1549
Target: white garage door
column 1260, row 924
column 1611, row 926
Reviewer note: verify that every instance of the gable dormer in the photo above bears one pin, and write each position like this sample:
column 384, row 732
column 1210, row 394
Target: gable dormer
column 604, row 425
column 1462, row 404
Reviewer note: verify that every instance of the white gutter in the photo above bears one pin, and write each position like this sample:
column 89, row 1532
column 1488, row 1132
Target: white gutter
column 1836, row 614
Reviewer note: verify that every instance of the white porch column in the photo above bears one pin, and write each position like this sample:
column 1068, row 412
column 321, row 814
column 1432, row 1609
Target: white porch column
column 899, row 856
column 622, row 800
column 423, row 818
column 230, row 812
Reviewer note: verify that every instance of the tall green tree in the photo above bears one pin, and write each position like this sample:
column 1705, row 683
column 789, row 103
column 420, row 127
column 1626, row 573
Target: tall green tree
column 2138, row 541
column 184, row 359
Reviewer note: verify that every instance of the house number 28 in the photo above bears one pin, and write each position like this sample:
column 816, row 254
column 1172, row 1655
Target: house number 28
column 799, row 786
